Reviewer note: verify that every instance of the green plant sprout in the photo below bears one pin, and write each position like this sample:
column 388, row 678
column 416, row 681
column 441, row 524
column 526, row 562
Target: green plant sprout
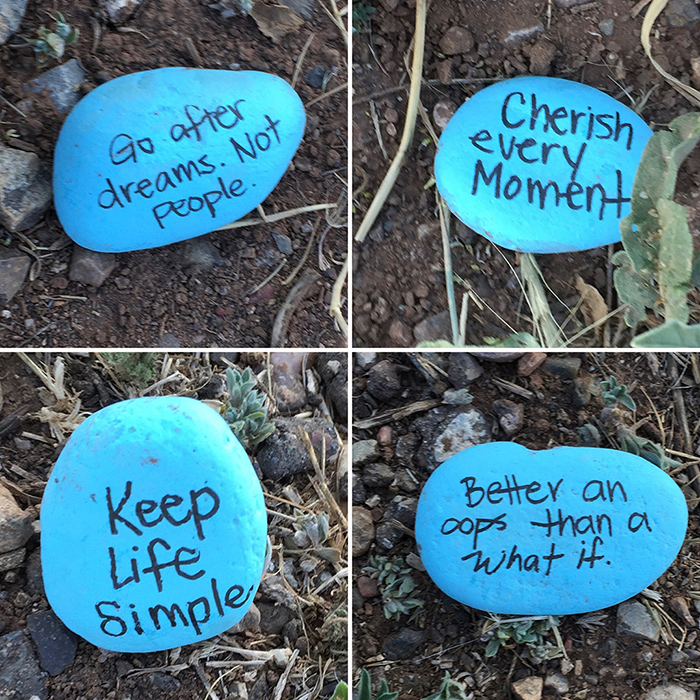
column 50, row 44
column 530, row 631
column 395, row 584
column 341, row 691
column 614, row 393
column 449, row 690
column 246, row 412
column 361, row 16
column 656, row 268
column 365, row 689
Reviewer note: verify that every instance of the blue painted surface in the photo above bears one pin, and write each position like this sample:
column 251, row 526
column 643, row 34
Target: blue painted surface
column 518, row 147
column 476, row 534
column 164, row 155
column 200, row 504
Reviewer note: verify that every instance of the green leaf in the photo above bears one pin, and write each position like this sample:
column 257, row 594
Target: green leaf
column 675, row 259
column 672, row 334
column 656, row 179
column 341, row 691
column 634, row 289
column 365, row 690
column 436, row 344
column 449, row 690
column 492, row 647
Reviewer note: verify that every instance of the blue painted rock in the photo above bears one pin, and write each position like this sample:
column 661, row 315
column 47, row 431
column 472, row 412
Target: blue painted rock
column 541, row 165
column 153, row 527
column 508, row 530
column 161, row 156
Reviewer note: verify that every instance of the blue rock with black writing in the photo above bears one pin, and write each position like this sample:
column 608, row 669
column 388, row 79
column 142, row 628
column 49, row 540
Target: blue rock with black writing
column 541, row 165
column 569, row 530
column 153, row 527
column 164, row 155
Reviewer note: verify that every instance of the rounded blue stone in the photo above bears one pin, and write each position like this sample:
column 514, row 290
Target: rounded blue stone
column 153, row 526
column 541, row 165
column 562, row 531
column 160, row 156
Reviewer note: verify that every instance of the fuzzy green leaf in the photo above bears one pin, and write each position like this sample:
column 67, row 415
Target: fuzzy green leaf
column 675, row 259
column 449, row 690
column 672, row 334
column 634, row 289
column 341, row 691
column 656, row 179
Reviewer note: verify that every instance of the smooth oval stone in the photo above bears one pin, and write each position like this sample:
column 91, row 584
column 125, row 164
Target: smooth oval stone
column 569, row 530
column 164, row 155
column 541, row 165
column 153, row 526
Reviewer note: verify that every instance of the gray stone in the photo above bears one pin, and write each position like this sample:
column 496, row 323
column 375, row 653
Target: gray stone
column 283, row 243
column 670, row 692
column 120, row 11
column 290, row 392
column 607, row 26
column 20, row 675
column 511, row 415
column 304, row 8
column 465, row 430
column 403, row 644
column 273, row 618
column 566, row 367
column 365, row 359
column 200, row 253
column 515, row 37
column 251, row 621
column 11, row 15
column 377, row 476
column 163, row 682
column 499, row 357
column 11, row 560
column 557, row 682
column 634, row 620
column 359, row 493
column 25, row 189
column 383, row 381
column 570, row 3
column 55, row 642
column 401, row 512
column 62, row 83
column 682, row 13
column 463, row 369
column 35, row 580
column 457, row 397
column 168, row 340
column 364, row 451
column 362, row 531
column 14, row 266
column 432, row 328
column 405, row 447
column 284, row 453
column 273, row 588
column 91, row 267
column 15, row 524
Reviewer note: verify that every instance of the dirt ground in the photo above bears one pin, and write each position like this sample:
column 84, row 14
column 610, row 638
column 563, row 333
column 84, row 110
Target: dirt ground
column 555, row 404
column 155, row 298
column 399, row 279
column 313, row 622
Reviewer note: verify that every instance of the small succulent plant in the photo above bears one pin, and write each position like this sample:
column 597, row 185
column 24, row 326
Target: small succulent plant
column 530, row 631
column 246, row 412
column 614, row 393
column 50, row 44
column 449, row 690
column 395, row 584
